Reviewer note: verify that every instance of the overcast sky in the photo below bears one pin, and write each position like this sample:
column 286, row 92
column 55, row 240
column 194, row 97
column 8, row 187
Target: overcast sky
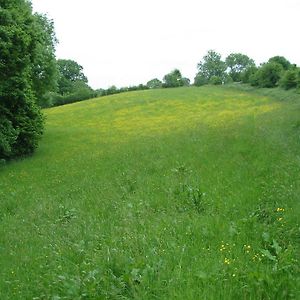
column 127, row 42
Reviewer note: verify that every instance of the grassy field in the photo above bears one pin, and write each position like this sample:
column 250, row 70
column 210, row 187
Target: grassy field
column 188, row 193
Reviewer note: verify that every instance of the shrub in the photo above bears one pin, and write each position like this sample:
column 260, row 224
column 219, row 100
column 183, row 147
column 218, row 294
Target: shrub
column 200, row 80
column 286, row 65
column 154, row 84
column 269, row 74
column 247, row 73
column 254, row 78
column 290, row 79
column 8, row 135
column 173, row 79
column 215, row 80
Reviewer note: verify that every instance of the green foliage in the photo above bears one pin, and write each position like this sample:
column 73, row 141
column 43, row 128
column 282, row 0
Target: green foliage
column 71, row 70
column 186, row 81
column 268, row 75
column 237, row 64
column 154, row 84
column 69, row 73
column 281, row 61
column 254, row 78
column 173, row 79
column 200, row 80
column 114, row 90
column 215, row 80
column 72, row 85
column 45, row 69
column 80, row 91
column 8, row 134
column 21, row 120
column 211, row 65
column 290, row 79
column 247, row 73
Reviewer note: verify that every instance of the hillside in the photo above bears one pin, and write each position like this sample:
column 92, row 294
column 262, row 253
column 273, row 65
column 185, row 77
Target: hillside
column 187, row 193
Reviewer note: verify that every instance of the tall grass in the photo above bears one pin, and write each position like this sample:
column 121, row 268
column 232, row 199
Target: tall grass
column 188, row 193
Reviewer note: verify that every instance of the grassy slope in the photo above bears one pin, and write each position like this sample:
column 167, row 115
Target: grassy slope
column 164, row 194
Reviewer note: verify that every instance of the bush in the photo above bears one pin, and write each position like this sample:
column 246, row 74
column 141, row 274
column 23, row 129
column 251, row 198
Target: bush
column 154, row 84
column 173, row 79
column 247, row 73
column 227, row 79
column 269, row 74
column 281, row 60
column 200, row 80
column 20, row 129
column 254, row 78
column 8, row 135
column 215, row 80
column 290, row 79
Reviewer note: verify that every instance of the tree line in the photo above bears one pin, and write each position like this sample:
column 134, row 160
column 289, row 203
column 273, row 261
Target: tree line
column 237, row 67
column 32, row 78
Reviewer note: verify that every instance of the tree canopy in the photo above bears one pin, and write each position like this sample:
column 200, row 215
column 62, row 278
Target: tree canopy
column 70, row 72
column 237, row 63
column 281, row 61
column 211, row 65
column 21, row 121
column 173, row 79
column 154, row 83
column 45, row 70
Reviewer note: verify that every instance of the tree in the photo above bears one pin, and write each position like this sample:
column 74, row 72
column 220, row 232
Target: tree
column 268, row 75
column 290, row 79
column 200, row 80
column 186, row 81
column 215, row 80
column 154, row 84
column 45, row 69
column 69, row 73
column 211, row 65
column 281, row 61
column 237, row 63
column 21, row 121
column 173, row 79
column 247, row 73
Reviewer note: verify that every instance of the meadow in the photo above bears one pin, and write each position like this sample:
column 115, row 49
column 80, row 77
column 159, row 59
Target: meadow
column 185, row 193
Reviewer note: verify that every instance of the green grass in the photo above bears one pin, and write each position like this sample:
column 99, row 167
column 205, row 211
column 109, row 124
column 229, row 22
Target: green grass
column 188, row 193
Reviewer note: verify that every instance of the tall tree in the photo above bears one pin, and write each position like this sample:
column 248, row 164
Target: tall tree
column 237, row 63
column 211, row 65
column 45, row 69
column 21, row 121
column 69, row 72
